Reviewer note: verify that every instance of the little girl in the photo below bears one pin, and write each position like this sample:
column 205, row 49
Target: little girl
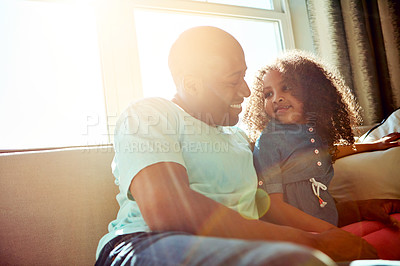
column 304, row 113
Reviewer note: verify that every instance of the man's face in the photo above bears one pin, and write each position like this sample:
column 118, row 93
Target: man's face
column 223, row 88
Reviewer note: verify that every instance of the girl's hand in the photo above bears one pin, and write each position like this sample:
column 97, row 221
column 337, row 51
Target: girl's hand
column 388, row 141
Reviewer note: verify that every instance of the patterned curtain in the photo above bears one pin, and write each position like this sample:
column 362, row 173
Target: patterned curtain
column 362, row 39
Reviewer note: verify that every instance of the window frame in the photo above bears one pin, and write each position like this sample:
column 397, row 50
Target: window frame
column 120, row 59
column 118, row 48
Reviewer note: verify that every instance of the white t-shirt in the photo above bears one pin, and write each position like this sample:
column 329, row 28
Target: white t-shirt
column 218, row 160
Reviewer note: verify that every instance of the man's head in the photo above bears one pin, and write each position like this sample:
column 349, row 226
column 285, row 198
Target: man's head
column 208, row 68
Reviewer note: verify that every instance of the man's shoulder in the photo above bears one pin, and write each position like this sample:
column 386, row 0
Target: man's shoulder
column 151, row 102
column 150, row 111
column 150, row 106
column 239, row 132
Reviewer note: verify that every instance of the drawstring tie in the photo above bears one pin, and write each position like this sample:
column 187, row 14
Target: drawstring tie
column 315, row 187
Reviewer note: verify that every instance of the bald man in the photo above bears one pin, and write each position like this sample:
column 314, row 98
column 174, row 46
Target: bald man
column 186, row 175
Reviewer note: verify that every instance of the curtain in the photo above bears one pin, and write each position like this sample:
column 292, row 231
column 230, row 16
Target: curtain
column 362, row 39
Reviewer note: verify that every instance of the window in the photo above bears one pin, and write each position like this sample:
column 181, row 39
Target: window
column 156, row 31
column 50, row 79
column 263, row 4
column 156, row 24
column 73, row 68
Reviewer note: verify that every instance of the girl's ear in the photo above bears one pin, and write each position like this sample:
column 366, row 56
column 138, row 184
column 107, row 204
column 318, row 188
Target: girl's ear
column 192, row 85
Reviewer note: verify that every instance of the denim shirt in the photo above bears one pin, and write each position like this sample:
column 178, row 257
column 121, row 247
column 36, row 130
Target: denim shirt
column 286, row 157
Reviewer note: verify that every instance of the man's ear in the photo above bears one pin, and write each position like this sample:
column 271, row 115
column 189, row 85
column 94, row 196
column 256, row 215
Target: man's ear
column 191, row 84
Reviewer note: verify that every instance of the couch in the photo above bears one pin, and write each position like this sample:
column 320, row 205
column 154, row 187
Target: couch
column 55, row 204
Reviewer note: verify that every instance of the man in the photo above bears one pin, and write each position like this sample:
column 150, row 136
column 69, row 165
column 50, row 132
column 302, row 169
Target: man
column 186, row 176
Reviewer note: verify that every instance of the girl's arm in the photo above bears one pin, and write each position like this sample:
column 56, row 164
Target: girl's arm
column 384, row 143
column 283, row 213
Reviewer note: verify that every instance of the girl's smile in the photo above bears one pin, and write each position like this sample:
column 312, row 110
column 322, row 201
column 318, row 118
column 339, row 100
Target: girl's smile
column 281, row 109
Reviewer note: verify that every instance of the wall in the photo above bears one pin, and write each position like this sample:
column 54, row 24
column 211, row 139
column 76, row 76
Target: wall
column 301, row 27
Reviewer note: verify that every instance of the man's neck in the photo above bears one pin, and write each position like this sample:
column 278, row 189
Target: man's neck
column 182, row 104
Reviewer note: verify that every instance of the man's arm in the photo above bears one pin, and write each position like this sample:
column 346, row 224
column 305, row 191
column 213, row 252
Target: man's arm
column 166, row 201
column 369, row 210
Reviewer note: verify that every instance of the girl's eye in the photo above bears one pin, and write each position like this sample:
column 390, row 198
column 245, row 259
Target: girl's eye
column 268, row 95
column 285, row 88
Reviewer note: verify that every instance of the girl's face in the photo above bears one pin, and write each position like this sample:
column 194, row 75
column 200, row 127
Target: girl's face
column 280, row 103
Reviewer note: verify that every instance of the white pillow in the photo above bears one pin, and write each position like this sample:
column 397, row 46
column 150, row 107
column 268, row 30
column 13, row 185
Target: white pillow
column 370, row 175
column 389, row 125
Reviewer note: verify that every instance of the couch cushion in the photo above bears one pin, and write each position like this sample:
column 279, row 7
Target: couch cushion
column 370, row 175
column 55, row 205
column 367, row 175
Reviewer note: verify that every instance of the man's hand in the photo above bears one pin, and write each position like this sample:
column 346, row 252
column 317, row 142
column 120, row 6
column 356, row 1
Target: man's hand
column 370, row 210
column 344, row 246
column 380, row 210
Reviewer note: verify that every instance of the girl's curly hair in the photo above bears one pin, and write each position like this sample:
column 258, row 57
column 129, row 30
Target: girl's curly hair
column 327, row 102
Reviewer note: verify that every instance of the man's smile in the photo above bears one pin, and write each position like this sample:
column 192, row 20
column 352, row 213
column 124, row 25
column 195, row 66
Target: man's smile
column 237, row 106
